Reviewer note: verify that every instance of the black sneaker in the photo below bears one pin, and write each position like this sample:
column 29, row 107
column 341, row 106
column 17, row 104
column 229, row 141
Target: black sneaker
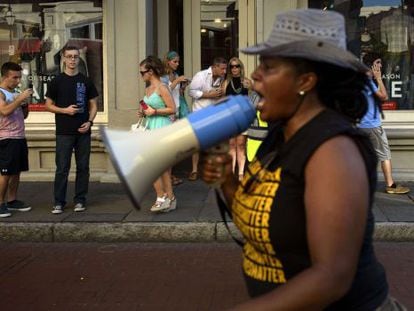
column 17, row 205
column 4, row 212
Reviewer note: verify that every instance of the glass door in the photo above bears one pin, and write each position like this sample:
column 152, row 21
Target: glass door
column 219, row 30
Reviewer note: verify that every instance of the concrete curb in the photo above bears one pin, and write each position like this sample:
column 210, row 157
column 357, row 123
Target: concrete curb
column 155, row 232
column 394, row 231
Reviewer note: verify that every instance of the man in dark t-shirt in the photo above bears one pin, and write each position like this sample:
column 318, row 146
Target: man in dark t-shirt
column 72, row 97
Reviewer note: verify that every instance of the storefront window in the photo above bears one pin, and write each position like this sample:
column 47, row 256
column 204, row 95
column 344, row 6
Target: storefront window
column 219, row 30
column 387, row 28
column 33, row 33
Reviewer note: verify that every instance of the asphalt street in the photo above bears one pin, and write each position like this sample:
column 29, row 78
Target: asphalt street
column 147, row 276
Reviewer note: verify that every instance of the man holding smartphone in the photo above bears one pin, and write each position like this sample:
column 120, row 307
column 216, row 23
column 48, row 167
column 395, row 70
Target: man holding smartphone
column 13, row 144
column 72, row 97
column 205, row 89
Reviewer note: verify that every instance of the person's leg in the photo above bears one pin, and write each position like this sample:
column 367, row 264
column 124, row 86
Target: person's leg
column 64, row 147
column 241, row 154
column 4, row 184
column 82, row 155
column 158, row 187
column 233, row 152
column 161, row 195
column 166, row 184
column 20, row 164
column 194, row 171
column 13, row 187
column 170, row 202
column 386, row 168
column 5, row 157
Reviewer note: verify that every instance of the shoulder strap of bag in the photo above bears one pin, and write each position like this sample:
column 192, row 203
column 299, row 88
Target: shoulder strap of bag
column 223, row 211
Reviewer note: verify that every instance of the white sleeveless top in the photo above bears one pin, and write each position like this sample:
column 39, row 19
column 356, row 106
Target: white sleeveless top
column 12, row 126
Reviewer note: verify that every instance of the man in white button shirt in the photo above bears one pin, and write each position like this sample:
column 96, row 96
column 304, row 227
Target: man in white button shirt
column 205, row 89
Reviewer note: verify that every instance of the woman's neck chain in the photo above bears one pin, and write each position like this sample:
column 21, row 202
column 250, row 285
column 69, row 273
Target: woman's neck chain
column 238, row 90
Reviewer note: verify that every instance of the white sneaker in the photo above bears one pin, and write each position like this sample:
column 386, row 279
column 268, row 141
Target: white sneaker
column 79, row 207
column 57, row 209
column 157, row 206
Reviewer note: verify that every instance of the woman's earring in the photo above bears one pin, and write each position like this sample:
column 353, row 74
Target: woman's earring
column 301, row 93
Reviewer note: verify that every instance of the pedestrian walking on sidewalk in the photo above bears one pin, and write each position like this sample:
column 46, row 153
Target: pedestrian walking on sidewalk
column 371, row 123
column 13, row 145
column 304, row 207
column 160, row 108
column 72, row 97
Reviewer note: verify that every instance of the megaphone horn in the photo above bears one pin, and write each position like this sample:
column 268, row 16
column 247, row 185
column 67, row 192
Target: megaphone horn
column 139, row 159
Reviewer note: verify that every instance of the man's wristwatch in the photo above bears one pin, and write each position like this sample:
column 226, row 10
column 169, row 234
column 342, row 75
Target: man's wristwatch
column 91, row 122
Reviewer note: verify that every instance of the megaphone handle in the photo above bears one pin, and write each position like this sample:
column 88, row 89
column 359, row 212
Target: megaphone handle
column 222, row 148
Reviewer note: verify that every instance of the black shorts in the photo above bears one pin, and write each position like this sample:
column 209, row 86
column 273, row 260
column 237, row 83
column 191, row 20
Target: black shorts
column 13, row 156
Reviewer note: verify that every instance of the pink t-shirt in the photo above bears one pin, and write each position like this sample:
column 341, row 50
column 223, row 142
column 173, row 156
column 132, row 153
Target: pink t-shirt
column 11, row 126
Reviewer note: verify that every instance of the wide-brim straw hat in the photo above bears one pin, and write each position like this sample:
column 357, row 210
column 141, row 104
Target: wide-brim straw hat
column 311, row 34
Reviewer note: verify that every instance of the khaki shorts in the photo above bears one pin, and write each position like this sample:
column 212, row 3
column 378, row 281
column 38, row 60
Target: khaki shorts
column 379, row 142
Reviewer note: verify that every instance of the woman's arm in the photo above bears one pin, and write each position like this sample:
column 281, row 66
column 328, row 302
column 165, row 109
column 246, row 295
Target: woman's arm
column 382, row 93
column 176, row 81
column 336, row 202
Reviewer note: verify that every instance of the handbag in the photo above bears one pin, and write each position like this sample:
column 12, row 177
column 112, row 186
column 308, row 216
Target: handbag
column 183, row 109
column 140, row 126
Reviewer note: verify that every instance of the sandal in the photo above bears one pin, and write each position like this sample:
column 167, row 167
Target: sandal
column 241, row 176
column 170, row 205
column 193, row 176
column 159, row 204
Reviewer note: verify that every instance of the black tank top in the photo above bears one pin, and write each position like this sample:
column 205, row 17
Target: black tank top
column 269, row 211
column 235, row 87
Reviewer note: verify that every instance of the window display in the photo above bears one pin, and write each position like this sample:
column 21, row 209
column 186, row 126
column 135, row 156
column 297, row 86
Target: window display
column 385, row 27
column 33, row 33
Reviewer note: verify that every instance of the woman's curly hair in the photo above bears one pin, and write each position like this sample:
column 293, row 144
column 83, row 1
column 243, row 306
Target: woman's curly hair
column 153, row 63
column 341, row 89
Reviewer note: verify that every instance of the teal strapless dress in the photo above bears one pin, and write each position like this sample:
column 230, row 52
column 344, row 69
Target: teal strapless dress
column 157, row 121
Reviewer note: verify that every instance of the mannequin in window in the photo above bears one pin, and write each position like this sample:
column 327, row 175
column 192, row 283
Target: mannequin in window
column 397, row 33
column 369, row 44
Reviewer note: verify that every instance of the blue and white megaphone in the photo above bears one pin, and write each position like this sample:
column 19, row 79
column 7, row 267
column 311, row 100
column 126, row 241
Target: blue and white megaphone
column 140, row 159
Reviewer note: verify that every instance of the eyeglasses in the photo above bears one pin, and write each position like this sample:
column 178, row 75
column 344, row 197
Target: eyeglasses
column 235, row 66
column 72, row 56
column 144, row 72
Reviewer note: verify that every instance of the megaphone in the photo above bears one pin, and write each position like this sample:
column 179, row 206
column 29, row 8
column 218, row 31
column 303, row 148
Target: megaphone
column 139, row 159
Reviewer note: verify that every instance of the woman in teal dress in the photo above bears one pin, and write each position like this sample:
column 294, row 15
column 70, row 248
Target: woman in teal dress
column 161, row 107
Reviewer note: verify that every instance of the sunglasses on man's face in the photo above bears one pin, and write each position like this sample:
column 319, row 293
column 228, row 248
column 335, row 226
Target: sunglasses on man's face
column 235, row 66
column 144, row 72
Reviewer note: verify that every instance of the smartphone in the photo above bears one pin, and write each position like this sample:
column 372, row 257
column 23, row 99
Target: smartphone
column 143, row 104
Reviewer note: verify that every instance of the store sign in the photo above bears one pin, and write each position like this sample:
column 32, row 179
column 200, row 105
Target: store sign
column 39, row 85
